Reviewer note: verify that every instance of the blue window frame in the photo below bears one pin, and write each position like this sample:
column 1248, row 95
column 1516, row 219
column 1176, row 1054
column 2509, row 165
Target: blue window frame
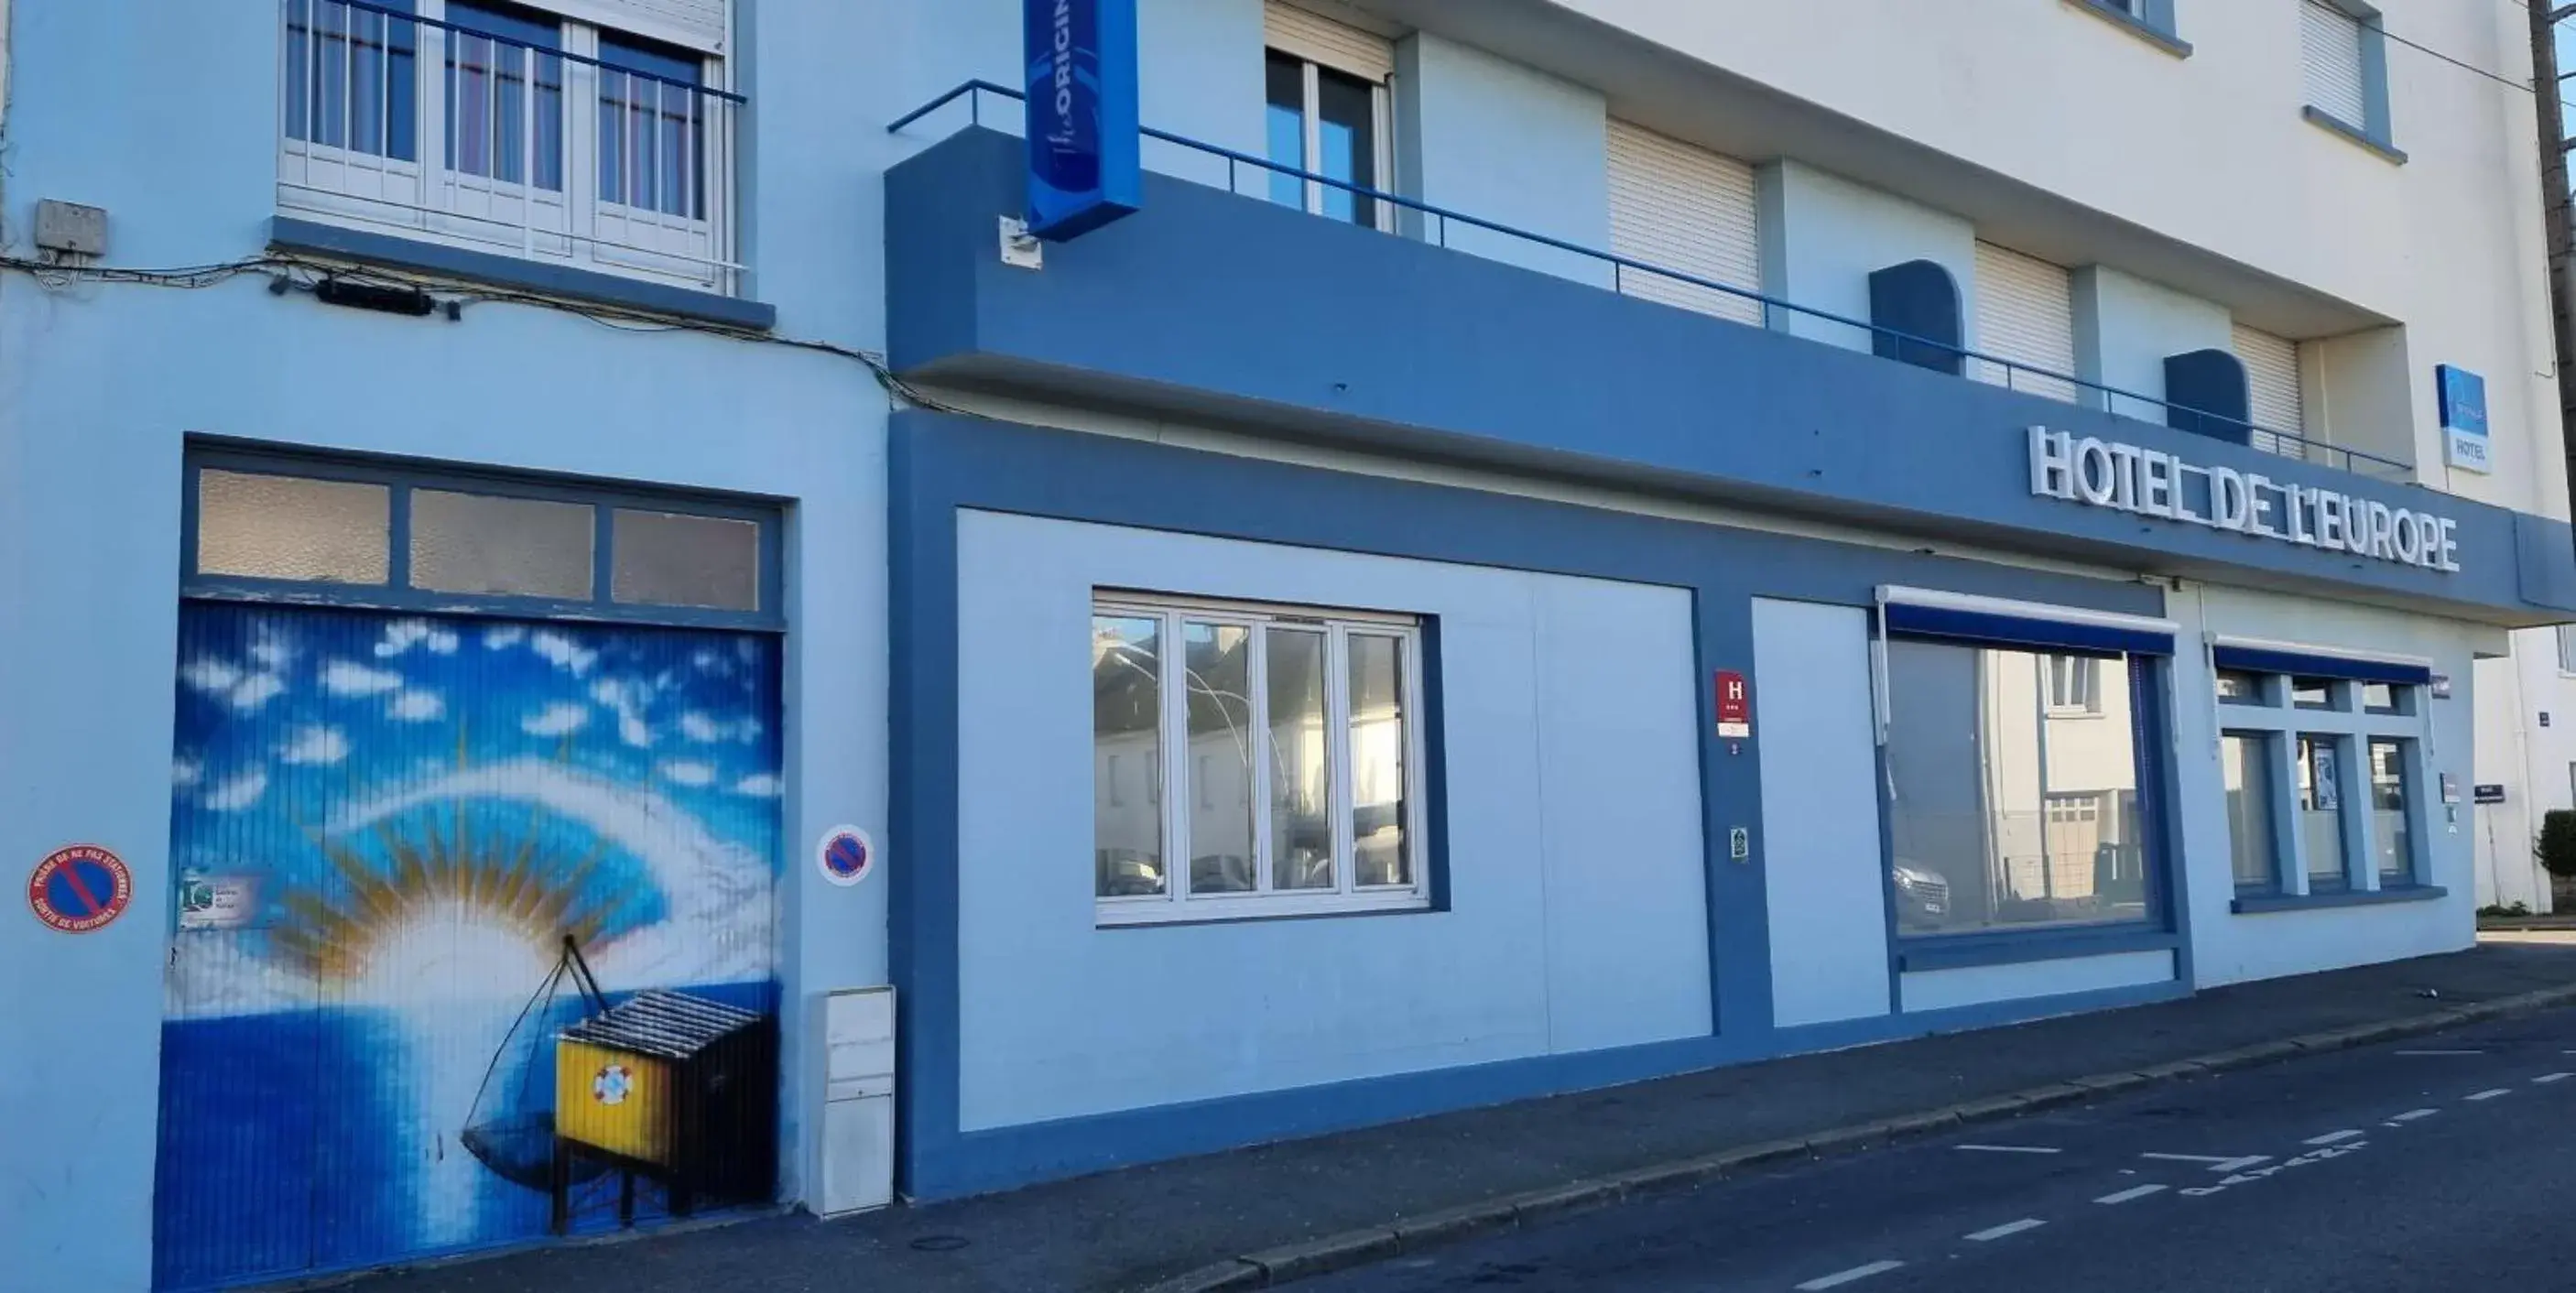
column 2019, row 825
column 261, row 525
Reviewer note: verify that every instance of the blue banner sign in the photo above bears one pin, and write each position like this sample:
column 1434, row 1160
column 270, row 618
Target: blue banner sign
column 2464, row 417
column 1084, row 165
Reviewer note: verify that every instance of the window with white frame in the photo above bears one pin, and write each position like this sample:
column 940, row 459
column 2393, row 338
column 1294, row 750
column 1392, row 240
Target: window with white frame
column 1328, row 113
column 2567, row 648
column 1297, row 789
column 2323, row 769
column 2074, row 684
column 597, row 133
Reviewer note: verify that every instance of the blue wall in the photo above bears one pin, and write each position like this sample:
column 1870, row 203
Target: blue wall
column 944, row 463
column 1459, row 356
column 1487, row 136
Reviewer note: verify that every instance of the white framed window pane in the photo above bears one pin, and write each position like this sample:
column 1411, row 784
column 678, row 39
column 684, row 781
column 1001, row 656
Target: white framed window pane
column 679, row 559
column 2321, row 812
column 1301, row 762
column 2245, row 766
column 1217, row 665
column 1285, row 139
column 2003, row 812
column 1380, row 849
column 2237, row 687
column 1346, row 140
column 1127, row 746
column 2388, row 792
column 293, row 527
column 488, row 543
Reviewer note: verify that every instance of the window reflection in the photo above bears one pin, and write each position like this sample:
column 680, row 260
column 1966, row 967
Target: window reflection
column 1301, row 768
column 1127, row 744
column 1218, row 660
column 2388, row 792
column 2321, row 812
column 2008, row 808
column 1377, row 761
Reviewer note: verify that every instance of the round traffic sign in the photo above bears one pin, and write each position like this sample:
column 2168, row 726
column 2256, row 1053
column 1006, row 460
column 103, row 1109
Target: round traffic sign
column 80, row 888
column 846, row 855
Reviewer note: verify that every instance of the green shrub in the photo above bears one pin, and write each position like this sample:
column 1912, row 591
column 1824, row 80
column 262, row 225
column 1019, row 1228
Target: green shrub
column 2557, row 846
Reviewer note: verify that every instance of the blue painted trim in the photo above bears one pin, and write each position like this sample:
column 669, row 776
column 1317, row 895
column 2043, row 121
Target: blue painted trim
column 1951, row 624
column 939, row 464
column 400, row 476
column 2255, row 904
column 989, row 1160
column 2156, row 29
column 2209, row 396
column 2338, row 126
column 1916, row 307
column 2266, row 661
column 392, row 251
column 1435, row 765
column 1960, row 951
column 2154, row 692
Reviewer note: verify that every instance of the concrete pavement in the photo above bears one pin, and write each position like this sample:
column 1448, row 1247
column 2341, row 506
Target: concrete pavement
column 1196, row 1219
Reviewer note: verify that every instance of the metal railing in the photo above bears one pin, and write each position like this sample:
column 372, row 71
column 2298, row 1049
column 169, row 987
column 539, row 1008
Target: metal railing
column 1630, row 277
column 468, row 134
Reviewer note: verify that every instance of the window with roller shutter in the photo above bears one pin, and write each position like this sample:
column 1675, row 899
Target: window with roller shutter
column 2330, row 43
column 1678, row 206
column 2026, row 316
column 2272, row 389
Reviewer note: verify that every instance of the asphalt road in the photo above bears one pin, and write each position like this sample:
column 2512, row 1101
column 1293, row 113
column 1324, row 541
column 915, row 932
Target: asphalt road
column 2438, row 1164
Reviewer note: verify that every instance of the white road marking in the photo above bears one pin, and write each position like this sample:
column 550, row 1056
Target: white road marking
column 2490, row 1093
column 2008, row 1149
column 1840, row 1278
column 2216, row 1163
column 2413, row 1114
column 1992, row 1233
column 2134, row 1192
column 2547, row 1078
column 2330, row 1138
column 2446, row 1052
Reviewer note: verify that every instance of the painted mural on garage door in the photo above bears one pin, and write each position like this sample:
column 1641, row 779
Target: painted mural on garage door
column 383, row 827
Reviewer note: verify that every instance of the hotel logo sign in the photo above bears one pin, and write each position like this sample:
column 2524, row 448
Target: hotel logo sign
column 2149, row 482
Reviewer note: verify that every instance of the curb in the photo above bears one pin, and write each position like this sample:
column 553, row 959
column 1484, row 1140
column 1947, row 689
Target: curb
column 1272, row 1267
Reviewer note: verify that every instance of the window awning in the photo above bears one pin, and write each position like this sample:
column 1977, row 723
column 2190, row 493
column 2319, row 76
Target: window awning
column 1960, row 617
column 2315, row 662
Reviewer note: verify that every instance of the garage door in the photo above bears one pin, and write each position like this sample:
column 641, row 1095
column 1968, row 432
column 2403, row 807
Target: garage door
column 386, row 822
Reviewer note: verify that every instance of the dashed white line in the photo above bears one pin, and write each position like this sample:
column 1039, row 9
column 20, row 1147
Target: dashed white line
column 1840, row 1278
column 2413, row 1114
column 2008, row 1149
column 2490, row 1093
column 2216, row 1163
column 2443, row 1052
column 2547, row 1078
column 2134, row 1192
column 1992, row 1233
column 2331, row 1138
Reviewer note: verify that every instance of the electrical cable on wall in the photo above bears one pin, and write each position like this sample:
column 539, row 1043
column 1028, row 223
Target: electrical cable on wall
column 297, row 273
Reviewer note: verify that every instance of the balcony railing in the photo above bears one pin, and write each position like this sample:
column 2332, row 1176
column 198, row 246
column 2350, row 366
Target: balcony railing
column 1630, row 277
column 619, row 161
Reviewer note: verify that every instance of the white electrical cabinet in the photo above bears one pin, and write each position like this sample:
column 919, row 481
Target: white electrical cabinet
column 858, row 1100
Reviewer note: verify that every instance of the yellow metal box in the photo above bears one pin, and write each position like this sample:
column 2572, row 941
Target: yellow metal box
column 613, row 1099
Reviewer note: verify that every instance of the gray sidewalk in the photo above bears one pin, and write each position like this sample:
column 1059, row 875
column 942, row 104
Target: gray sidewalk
column 1189, row 1219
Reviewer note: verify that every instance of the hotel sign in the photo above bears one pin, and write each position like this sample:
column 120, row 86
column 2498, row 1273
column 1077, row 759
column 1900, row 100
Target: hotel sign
column 2149, row 482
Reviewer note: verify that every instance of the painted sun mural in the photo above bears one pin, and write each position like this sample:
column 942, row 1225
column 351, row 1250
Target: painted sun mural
column 383, row 828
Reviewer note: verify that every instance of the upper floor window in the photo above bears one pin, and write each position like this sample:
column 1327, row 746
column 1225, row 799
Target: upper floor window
column 517, row 128
column 1328, row 113
column 2152, row 20
column 2340, row 46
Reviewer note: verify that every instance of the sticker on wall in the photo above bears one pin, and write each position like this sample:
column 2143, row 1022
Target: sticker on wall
column 2441, row 686
column 846, row 855
column 79, row 889
column 216, row 901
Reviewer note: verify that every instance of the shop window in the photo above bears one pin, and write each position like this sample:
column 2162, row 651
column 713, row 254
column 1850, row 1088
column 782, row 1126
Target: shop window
column 2014, row 794
column 1299, row 791
column 2323, row 793
column 2245, row 768
column 362, row 534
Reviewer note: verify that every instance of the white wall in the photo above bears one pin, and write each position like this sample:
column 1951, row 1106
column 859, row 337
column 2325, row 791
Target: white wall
column 2125, row 329
column 1824, row 235
column 1578, row 916
column 2227, row 947
column 1502, row 142
column 1823, row 881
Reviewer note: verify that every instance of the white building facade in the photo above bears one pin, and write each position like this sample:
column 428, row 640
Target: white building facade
column 1564, row 541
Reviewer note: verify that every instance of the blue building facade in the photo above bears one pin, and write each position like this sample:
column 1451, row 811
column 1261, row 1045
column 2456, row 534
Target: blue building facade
column 1376, row 629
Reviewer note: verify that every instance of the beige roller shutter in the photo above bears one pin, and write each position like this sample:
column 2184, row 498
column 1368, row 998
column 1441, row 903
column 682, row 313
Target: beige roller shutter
column 2272, row 385
column 693, row 24
column 2330, row 43
column 2025, row 314
column 1684, row 208
column 1320, row 40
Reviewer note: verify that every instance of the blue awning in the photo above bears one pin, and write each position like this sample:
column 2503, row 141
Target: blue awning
column 1996, row 628
column 2248, row 659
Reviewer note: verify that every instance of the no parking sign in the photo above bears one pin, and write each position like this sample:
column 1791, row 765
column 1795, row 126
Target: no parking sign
column 79, row 889
column 845, row 855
